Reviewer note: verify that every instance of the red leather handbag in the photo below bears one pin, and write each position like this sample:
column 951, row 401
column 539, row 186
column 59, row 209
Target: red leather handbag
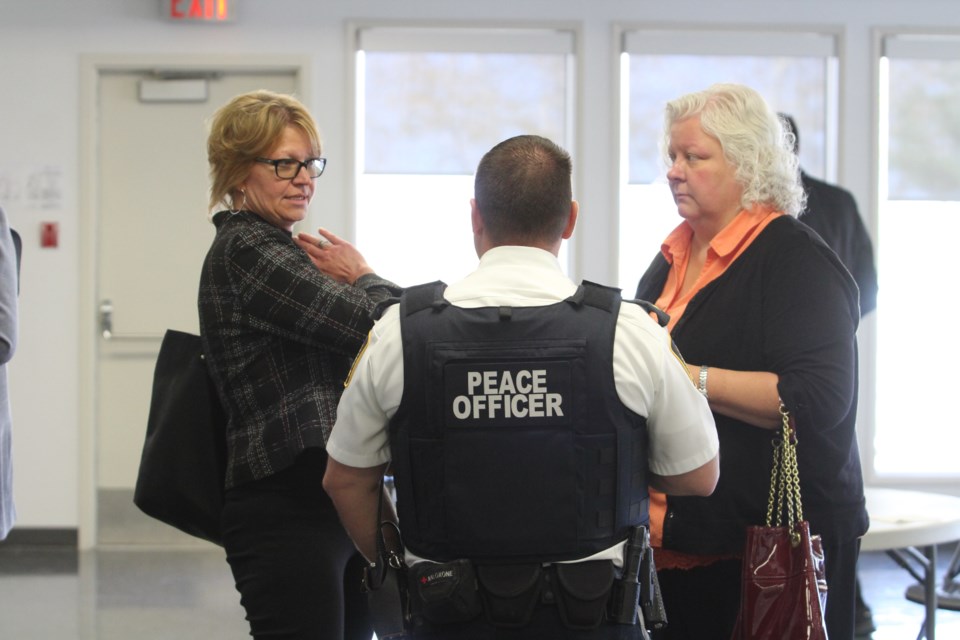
column 783, row 591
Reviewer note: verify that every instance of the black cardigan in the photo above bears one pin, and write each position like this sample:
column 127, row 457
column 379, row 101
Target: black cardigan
column 785, row 305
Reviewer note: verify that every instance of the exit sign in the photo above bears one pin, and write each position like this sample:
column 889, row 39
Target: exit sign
column 198, row 10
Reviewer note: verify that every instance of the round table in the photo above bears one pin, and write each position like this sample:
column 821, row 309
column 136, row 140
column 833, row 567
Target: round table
column 908, row 526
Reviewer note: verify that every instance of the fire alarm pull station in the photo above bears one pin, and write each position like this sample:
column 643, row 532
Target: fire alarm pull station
column 49, row 235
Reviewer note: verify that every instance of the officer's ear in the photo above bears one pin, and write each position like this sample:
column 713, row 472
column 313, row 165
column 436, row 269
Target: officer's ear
column 572, row 220
column 475, row 218
column 480, row 239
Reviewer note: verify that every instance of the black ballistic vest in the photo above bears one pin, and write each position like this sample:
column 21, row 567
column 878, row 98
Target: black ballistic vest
column 510, row 443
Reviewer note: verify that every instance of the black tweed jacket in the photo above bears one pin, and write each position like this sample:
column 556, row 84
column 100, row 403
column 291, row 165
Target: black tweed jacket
column 279, row 337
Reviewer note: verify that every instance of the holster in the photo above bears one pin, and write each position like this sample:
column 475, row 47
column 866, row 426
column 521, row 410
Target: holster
column 636, row 594
column 579, row 590
column 651, row 600
column 385, row 582
column 583, row 589
column 510, row 592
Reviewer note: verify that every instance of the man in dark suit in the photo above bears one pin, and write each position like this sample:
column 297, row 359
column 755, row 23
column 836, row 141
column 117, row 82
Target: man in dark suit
column 832, row 212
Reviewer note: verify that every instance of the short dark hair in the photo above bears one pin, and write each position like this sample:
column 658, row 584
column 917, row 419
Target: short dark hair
column 791, row 126
column 523, row 190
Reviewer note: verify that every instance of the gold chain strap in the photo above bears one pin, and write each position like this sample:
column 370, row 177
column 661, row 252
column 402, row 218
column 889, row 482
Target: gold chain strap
column 785, row 481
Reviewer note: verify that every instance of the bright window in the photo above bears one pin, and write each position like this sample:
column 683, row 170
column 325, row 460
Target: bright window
column 919, row 218
column 430, row 103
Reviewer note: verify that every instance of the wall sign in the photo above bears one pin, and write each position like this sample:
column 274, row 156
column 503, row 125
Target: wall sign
column 207, row 11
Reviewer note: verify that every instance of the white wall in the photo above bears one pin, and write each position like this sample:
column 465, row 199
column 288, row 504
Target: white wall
column 41, row 44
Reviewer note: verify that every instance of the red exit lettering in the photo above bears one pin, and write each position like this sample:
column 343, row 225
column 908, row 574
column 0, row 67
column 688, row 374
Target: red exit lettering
column 199, row 9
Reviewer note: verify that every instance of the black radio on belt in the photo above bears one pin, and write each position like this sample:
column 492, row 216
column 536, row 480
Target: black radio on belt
column 442, row 593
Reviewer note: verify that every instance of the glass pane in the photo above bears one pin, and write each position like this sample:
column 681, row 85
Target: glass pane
column 798, row 86
column 924, row 130
column 432, row 212
column 648, row 216
column 427, row 120
column 915, row 433
column 914, row 436
column 438, row 113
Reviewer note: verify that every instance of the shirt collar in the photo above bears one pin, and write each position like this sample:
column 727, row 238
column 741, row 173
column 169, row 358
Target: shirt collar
column 515, row 276
column 725, row 243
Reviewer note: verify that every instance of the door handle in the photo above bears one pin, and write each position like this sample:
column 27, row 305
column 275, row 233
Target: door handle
column 106, row 319
column 106, row 326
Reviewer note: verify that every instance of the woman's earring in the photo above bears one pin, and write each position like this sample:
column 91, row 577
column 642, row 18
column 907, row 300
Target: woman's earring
column 242, row 203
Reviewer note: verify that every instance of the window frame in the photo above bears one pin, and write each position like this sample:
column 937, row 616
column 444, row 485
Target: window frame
column 477, row 37
column 917, row 43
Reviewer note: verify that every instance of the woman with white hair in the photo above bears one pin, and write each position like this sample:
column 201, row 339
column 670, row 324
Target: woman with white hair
column 766, row 315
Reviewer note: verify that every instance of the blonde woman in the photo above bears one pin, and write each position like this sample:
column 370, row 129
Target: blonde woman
column 279, row 336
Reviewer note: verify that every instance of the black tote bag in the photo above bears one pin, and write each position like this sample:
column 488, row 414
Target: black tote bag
column 183, row 464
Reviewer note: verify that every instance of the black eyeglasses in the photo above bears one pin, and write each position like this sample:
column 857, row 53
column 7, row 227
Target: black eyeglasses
column 288, row 168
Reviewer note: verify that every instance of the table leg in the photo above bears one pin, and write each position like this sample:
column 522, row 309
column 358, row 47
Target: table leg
column 925, row 575
column 953, row 570
column 930, row 586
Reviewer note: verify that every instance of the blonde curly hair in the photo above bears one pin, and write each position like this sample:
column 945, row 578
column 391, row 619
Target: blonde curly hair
column 753, row 140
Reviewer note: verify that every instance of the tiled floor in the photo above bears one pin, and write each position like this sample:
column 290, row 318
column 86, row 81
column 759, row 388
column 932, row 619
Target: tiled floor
column 142, row 593
column 118, row 594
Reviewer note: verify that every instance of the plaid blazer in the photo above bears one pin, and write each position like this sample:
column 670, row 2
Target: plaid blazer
column 279, row 337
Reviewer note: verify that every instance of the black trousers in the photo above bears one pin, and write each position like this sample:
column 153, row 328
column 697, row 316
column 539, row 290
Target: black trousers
column 841, row 565
column 296, row 569
column 702, row 603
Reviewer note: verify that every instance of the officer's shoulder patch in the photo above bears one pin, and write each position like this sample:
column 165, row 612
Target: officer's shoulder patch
column 675, row 350
column 356, row 361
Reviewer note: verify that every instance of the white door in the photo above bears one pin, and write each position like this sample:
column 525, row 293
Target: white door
column 153, row 232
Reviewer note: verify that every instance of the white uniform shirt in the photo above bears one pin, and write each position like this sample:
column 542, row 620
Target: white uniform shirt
column 650, row 379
